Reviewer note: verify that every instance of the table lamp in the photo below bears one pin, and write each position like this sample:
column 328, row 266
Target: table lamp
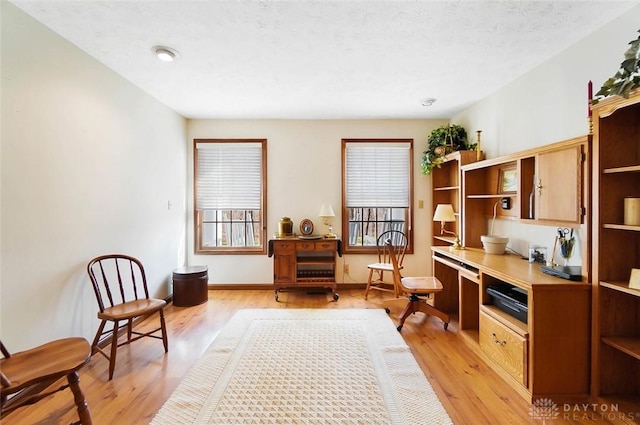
column 326, row 213
column 444, row 214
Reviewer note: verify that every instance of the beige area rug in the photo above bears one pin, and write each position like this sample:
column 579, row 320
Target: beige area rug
column 305, row 366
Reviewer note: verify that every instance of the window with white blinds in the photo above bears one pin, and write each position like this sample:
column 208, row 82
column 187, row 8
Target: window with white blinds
column 377, row 190
column 377, row 174
column 229, row 194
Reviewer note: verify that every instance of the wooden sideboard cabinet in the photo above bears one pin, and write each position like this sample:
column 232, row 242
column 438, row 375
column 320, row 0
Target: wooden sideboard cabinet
column 304, row 263
column 543, row 353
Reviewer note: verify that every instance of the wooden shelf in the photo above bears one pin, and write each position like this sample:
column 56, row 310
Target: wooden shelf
column 622, row 287
column 448, row 239
column 311, row 261
column 491, row 196
column 315, row 279
column 621, row 227
column 446, row 188
column 628, row 345
column 630, row 169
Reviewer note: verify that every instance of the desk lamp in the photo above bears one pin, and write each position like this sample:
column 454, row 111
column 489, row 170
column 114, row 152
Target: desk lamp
column 444, row 214
column 326, row 213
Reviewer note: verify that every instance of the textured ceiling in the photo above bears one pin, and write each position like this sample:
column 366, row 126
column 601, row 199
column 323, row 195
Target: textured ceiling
column 323, row 59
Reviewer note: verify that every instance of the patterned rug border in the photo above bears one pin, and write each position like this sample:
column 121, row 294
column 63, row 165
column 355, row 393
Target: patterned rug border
column 409, row 396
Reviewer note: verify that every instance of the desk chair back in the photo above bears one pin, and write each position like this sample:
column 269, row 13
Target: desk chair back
column 419, row 290
column 398, row 243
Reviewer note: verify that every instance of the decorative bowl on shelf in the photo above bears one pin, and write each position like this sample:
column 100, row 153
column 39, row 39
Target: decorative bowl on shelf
column 494, row 244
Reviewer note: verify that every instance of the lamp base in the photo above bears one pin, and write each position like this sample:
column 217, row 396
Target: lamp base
column 330, row 236
column 456, row 245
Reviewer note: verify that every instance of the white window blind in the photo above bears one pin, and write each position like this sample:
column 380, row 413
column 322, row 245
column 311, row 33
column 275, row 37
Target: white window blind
column 377, row 175
column 229, row 176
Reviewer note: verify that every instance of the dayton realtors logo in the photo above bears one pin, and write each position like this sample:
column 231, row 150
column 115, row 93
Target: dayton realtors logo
column 545, row 409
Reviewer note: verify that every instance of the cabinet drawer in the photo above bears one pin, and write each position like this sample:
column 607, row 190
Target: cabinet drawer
column 326, row 246
column 284, row 247
column 505, row 347
column 305, row 246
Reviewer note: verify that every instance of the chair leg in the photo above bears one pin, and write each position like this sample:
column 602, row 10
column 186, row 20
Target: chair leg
column 96, row 339
column 83, row 408
column 114, row 349
column 165, row 340
column 129, row 329
column 415, row 304
column 366, row 291
column 408, row 309
column 432, row 311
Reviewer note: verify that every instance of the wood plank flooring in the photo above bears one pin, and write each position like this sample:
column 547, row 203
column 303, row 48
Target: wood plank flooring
column 145, row 377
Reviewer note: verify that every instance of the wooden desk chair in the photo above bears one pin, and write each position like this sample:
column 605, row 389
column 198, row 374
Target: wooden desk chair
column 120, row 285
column 419, row 289
column 27, row 374
column 376, row 270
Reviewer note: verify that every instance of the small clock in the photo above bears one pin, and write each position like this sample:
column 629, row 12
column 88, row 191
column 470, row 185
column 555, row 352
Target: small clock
column 306, row 227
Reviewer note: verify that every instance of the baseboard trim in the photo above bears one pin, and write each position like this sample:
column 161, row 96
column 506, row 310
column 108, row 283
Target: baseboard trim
column 263, row 286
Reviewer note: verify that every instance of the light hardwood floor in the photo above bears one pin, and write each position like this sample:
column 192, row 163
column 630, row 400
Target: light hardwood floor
column 145, row 377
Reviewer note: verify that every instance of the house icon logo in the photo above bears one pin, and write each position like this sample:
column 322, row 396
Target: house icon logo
column 544, row 409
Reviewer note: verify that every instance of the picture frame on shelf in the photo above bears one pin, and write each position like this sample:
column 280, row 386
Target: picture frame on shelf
column 306, row 227
column 508, row 179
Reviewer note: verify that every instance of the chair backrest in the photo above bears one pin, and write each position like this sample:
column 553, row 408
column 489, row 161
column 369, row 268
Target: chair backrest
column 117, row 278
column 397, row 243
column 397, row 277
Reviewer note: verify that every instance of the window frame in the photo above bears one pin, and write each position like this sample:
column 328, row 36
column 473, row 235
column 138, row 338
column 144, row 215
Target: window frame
column 198, row 215
column 372, row 249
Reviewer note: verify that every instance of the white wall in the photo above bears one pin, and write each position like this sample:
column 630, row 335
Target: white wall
column 547, row 105
column 303, row 172
column 89, row 164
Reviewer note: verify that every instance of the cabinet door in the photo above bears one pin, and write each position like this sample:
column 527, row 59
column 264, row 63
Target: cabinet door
column 284, row 262
column 559, row 178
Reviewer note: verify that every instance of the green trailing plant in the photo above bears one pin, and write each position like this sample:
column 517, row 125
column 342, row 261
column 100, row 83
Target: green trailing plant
column 628, row 76
column 442, row 141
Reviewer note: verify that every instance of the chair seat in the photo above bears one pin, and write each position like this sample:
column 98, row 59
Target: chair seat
column 27, row 368
column 421, row 285
column 387, row 267
column 132, row 309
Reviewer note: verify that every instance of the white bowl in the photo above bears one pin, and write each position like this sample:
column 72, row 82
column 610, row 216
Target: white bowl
column 494, row 244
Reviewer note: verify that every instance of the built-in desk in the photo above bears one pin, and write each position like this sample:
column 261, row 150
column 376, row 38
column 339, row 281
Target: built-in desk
column 545, row 357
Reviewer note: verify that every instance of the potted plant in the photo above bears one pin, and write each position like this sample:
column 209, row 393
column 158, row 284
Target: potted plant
column 628, row 76
column 442, row 141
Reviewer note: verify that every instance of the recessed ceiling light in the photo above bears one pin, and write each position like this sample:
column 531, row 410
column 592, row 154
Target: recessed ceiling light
column 164, row 53
column 428, row 101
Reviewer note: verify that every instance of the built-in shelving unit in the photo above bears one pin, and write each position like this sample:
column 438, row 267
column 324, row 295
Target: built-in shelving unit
column 615, row 249
column 446, row 189
column 536, row 196
column 543, row 352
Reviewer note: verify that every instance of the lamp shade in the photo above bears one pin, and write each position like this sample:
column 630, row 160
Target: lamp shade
column 326, row 211
column 444, row 212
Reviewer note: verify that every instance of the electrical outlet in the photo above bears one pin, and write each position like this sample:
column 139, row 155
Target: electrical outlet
column 346, row 268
